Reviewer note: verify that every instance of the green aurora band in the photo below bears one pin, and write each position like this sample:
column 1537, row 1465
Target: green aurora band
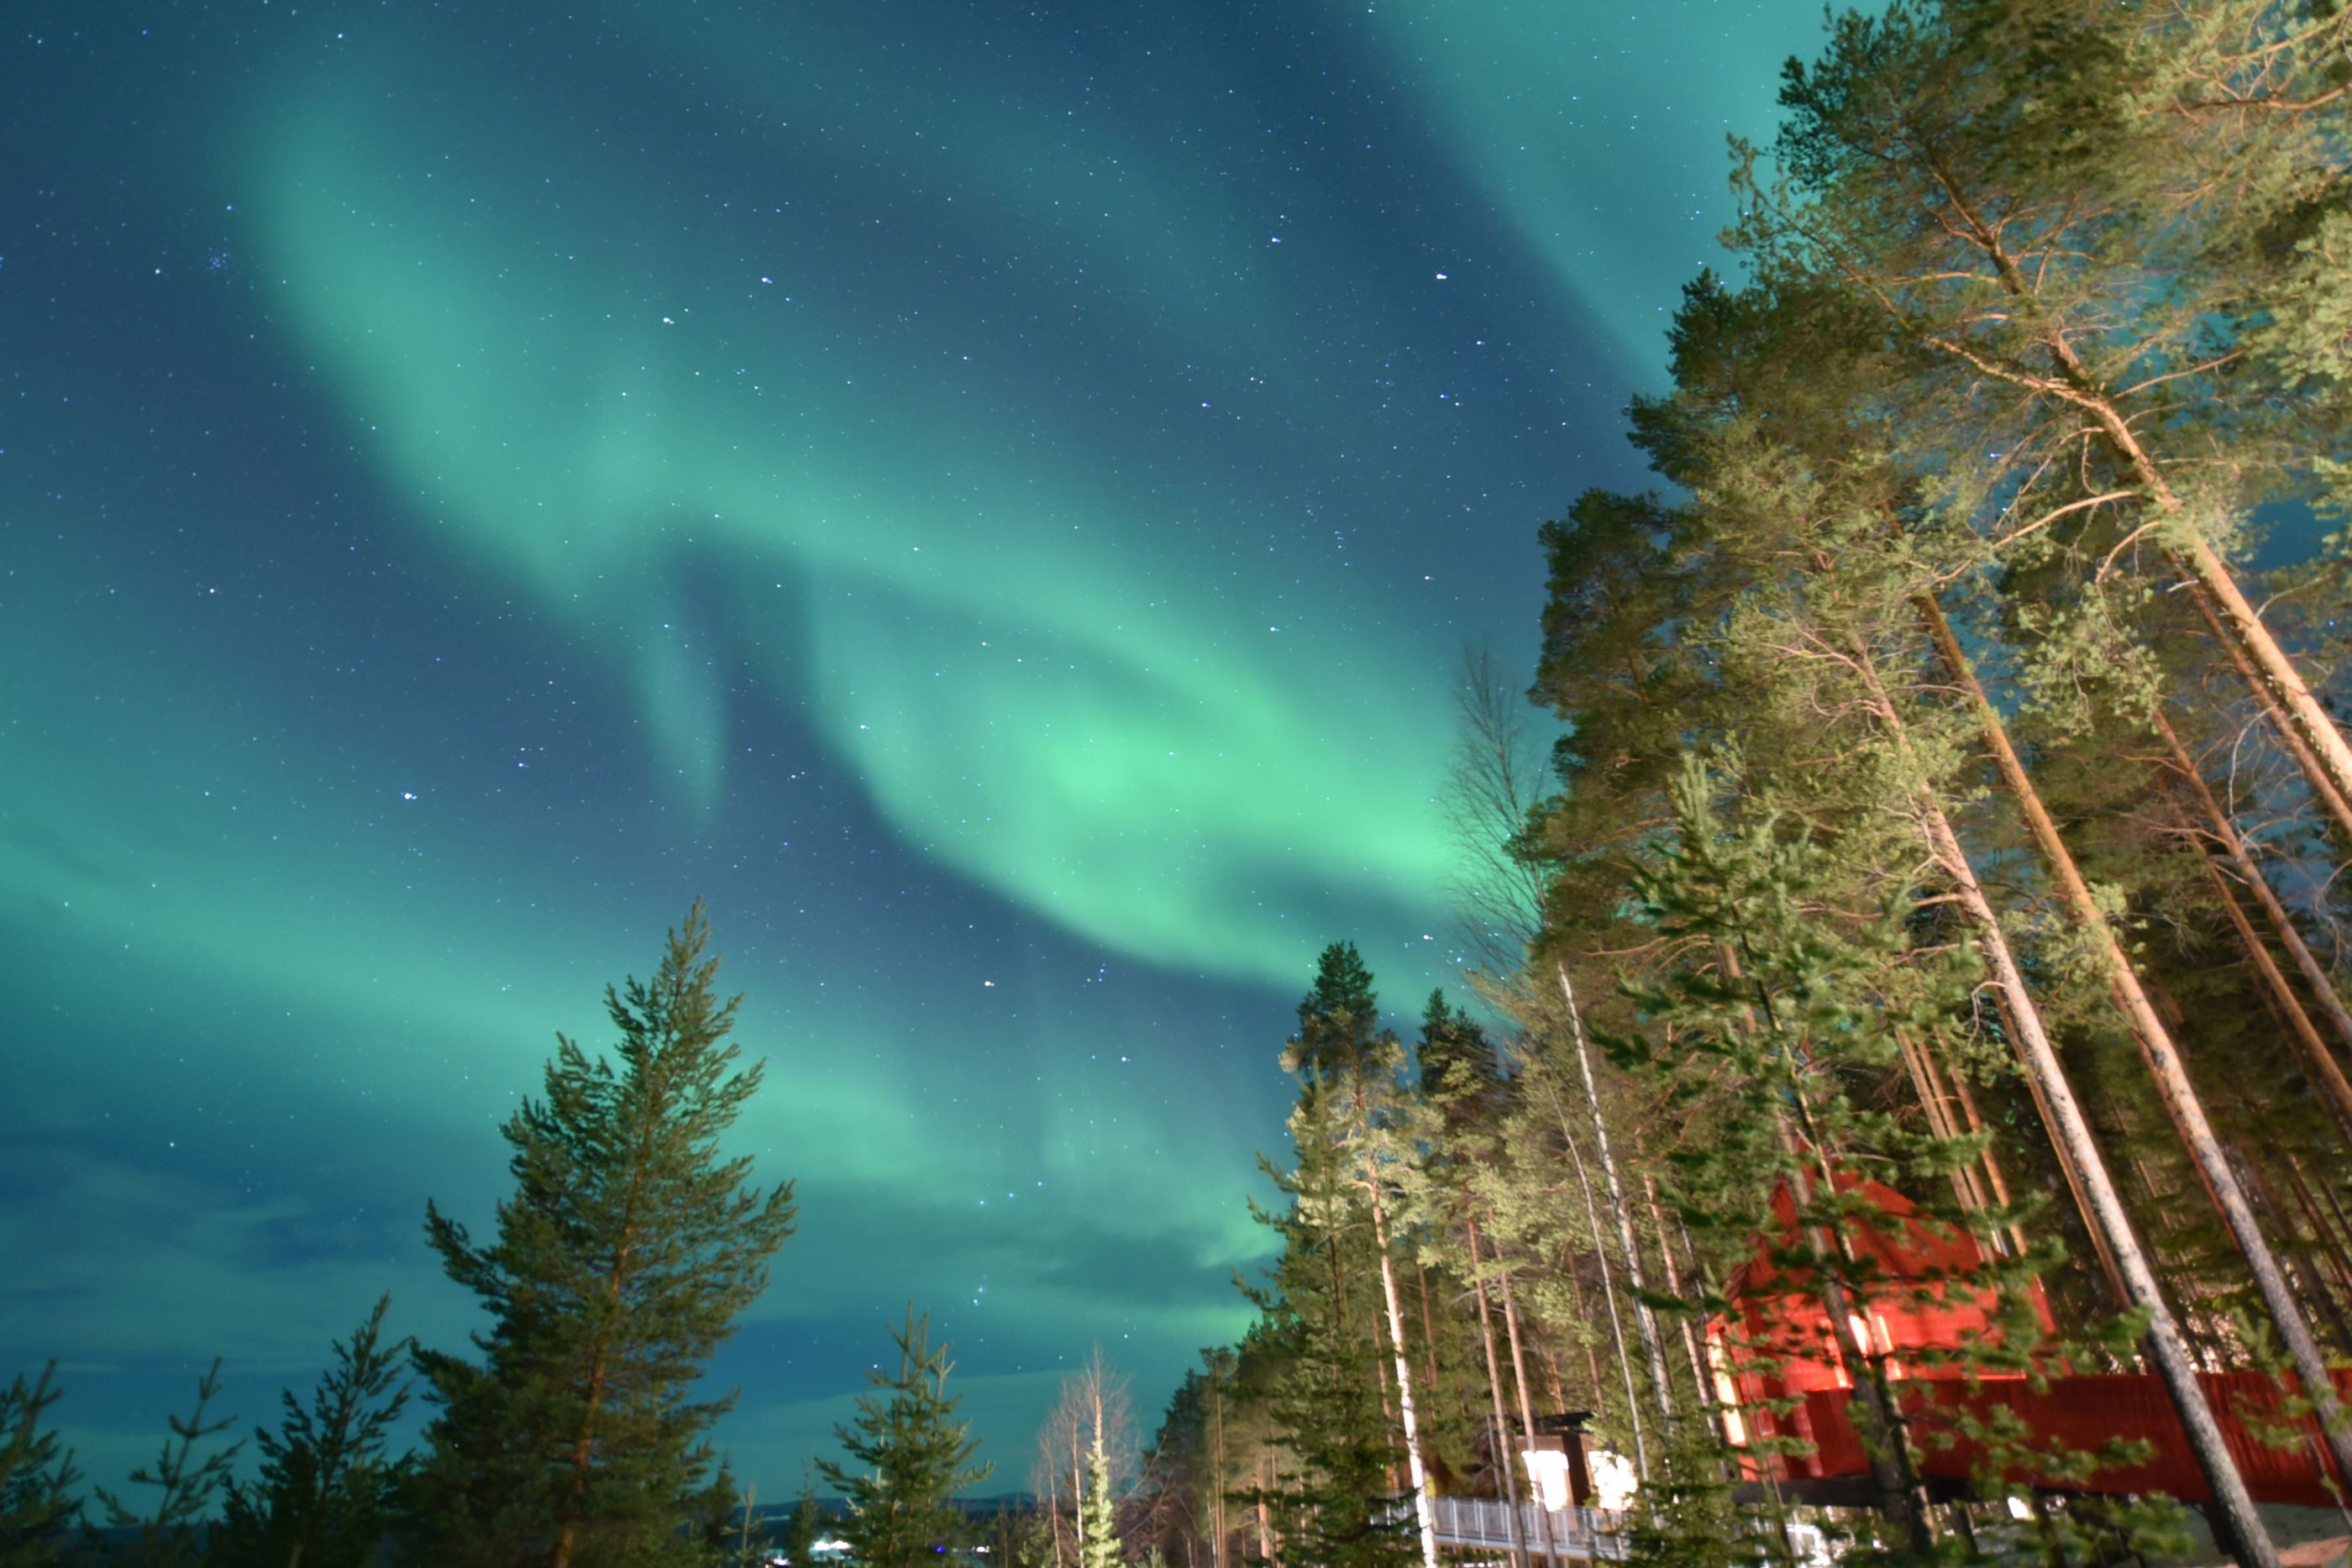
column 991, row 502
column 1093, row 727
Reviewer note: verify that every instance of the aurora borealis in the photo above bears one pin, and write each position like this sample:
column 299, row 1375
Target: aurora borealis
column 992, row 498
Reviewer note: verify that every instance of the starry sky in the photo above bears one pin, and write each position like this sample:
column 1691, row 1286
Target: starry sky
column 990, row 496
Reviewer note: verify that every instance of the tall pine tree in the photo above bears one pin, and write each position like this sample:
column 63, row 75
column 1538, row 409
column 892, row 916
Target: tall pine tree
column 628, row 1249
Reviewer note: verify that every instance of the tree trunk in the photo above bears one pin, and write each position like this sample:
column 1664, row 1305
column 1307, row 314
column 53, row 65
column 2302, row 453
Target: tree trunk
column 1506, row 1461
column 1266, row 1519
column 2332, row 800
column 2158, row 1049
column 1403, row 1373
column 2092, row 1226
column 2327, row 1075
column 584, row 1449
column 1609, row 1293
column 1428, row 1328
column 2285, row 1005
column 1940, row 1122
column 1998, row 1184
column 2070, row 1131
column 2204, row 566
column 2249, row 1537
column 1217, row 1475
column 1592, row 1378
column 2325, row 754
column 1527, row 1403
column 1643, row 1318
column 2331, row 1241
column 1053, row 1517
column 2335, row 1208
column 1690, row 1351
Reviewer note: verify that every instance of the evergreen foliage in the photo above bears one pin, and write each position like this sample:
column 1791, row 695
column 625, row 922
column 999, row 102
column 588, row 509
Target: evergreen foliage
column 2014, row 867
column 329, row 1488
column 1098, row 1542
column 627, row 1251
column 166, row 1533
column 1456, row 1063
column 1332, row 1448
column 1338, row 1018
column 1335, row 1403
column 1327, row 1500
column 908, row 1458
column 801, row 1530
column 37, row 1475
column 1020, row 1537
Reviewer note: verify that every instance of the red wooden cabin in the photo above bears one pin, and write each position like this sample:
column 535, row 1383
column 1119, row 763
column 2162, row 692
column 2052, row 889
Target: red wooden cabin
column 1779, row 1349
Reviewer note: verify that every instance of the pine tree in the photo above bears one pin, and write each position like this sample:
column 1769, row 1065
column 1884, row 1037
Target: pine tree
column 1746, row 360
column 627, row 1253
column 2068, row 220
column 908, row 1458
column 163, row 1534
column 37, row 1475
column 328, row 1489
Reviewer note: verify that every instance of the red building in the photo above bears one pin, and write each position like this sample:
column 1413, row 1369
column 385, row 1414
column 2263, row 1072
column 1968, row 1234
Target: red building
column 1779, row 1347
column 1776, row 1362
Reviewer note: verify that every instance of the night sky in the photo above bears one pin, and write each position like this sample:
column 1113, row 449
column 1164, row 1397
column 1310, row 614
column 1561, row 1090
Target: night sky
column 990, row 497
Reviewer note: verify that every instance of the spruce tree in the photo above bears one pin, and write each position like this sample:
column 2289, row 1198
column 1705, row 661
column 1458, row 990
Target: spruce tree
column 629, row 1249
column 1098, row 1542
column 801, row 1529
column 908, row 1456
column 1333, row 1443
column 328, row 1489
column 1358, row 1132
column 1456, row 1064
column 1338, row 1018
column 37, row 1475
column 1309, row 1364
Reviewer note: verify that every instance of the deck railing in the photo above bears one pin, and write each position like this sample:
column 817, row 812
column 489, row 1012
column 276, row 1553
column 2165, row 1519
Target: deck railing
column 1588, row 1533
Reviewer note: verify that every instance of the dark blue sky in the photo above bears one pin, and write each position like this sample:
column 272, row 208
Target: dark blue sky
column 992, row 498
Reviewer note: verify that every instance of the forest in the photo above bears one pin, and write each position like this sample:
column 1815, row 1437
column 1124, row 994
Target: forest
column 1928, row 912
column 1942, row 843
